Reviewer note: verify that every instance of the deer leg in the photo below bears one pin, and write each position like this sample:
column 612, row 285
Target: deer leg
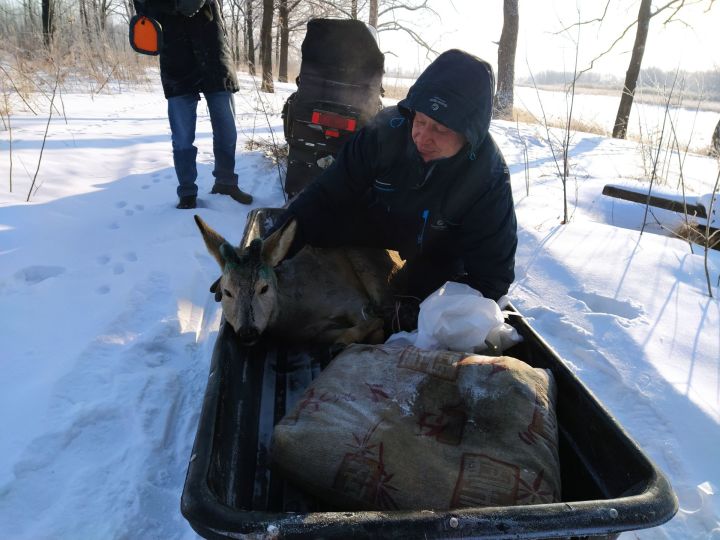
column 370, row 331
column 375, row 269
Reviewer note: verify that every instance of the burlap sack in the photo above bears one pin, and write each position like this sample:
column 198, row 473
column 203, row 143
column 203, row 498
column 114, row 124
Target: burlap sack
column 403, row 428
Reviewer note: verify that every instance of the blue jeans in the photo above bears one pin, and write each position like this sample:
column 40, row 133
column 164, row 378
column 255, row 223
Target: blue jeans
column 182, row 113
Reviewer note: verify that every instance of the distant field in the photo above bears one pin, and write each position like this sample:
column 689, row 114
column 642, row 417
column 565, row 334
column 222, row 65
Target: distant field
column 652, row 96
column 595, row 108
column 693, row 127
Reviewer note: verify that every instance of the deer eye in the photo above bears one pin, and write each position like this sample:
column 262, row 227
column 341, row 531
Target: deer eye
column 227, row 293
column 264, row 289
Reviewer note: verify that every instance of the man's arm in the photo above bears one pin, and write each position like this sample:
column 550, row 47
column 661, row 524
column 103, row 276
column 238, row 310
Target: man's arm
column 338, row 188
column 489, row 240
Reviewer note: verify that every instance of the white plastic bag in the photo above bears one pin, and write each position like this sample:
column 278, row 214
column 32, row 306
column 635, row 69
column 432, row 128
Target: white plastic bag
column 459, row 318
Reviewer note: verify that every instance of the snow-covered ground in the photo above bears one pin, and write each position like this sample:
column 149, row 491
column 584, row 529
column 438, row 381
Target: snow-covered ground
column 108, row 325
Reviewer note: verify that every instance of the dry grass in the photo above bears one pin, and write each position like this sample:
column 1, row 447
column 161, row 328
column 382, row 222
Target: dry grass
column 275, row 152
column 521, row 115
column 395, row 90
column 696, row 233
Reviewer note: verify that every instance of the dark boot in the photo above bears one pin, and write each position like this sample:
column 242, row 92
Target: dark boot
column 188, row 201
column 235, row 192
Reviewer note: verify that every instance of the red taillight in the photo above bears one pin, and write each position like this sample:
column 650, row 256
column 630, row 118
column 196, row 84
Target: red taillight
column 333, row 121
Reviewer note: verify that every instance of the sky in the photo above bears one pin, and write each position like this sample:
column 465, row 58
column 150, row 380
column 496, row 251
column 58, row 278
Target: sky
column 475, row 26
column 108, row 325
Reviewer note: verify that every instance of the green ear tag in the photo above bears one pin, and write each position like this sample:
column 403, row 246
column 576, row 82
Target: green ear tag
column 229, row 255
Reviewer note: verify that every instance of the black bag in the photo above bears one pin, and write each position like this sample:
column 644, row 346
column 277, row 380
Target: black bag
column 339, row 89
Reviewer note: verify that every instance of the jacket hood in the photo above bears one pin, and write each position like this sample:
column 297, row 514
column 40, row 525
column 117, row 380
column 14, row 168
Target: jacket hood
column 457, row 90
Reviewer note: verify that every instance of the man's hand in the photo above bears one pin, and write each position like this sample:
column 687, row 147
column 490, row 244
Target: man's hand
column 189, row 7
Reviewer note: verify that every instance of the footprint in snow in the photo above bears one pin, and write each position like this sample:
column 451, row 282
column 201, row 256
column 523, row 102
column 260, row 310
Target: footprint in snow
column 103, row 259
column 103, row 289
column 120, row 204
column 35, row 274
column 604, row 304
column 130, row 256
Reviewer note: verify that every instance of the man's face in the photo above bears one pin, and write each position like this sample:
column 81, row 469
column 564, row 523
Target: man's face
column 433, row 140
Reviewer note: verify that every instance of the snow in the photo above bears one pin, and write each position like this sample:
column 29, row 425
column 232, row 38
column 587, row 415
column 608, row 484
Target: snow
column 108, row 325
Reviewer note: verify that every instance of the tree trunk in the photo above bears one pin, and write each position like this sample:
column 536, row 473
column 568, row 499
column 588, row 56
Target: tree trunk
column 284, row 41
column 633, row 71
column 266, row 47
column 103, row 11
column 84, row 18
column 504, row 97
column 250, row 48
column 235, row 33
column 47, row 22
column 353, row 9
column 29, row 15
column 373, row 18
column 715, row 145
column 277, row 43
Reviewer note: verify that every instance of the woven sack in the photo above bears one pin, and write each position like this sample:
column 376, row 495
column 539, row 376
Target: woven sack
column 388, row 428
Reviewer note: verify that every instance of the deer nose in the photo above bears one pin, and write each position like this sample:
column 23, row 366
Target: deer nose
column 247, row 335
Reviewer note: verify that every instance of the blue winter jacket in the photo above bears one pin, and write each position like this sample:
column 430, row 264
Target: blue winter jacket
column 380, row 192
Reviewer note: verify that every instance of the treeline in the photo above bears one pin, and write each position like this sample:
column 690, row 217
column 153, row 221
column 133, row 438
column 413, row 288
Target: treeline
column 264, row 35
column 695, row 84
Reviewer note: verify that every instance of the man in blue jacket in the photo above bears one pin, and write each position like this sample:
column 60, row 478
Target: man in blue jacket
column 424, row 178
column 195, row 59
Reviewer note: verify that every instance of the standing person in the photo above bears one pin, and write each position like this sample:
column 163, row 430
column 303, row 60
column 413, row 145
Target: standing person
column 195, row 59
column 424, row 178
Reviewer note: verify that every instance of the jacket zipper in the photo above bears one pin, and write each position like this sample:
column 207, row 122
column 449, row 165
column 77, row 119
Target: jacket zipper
column 421, row 236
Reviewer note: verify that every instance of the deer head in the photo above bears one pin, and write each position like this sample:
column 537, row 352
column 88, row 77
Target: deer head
column 247, row 287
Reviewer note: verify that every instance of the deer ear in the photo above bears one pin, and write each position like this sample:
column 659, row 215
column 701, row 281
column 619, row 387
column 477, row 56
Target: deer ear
column 276, row 246
column 216, row 290
column 212, row 239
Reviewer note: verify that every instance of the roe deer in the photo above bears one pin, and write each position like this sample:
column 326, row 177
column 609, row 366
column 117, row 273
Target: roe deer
column 320, row 295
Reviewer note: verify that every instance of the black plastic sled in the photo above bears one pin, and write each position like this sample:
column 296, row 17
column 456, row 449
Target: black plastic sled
column 608, row 484
column 339, row 89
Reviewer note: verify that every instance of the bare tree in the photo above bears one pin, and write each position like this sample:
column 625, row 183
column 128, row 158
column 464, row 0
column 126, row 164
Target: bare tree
column 48, row 23
column 504, row 97
column 236, row 24
column 266, row 46
column 249, row 36
column 715, row 145
column 633, row 71
column 373, row 15
column 385, row 15
column 84, row 15
column 284, row 11
column 672, row 8
column 283, row 36
column 390, row 15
